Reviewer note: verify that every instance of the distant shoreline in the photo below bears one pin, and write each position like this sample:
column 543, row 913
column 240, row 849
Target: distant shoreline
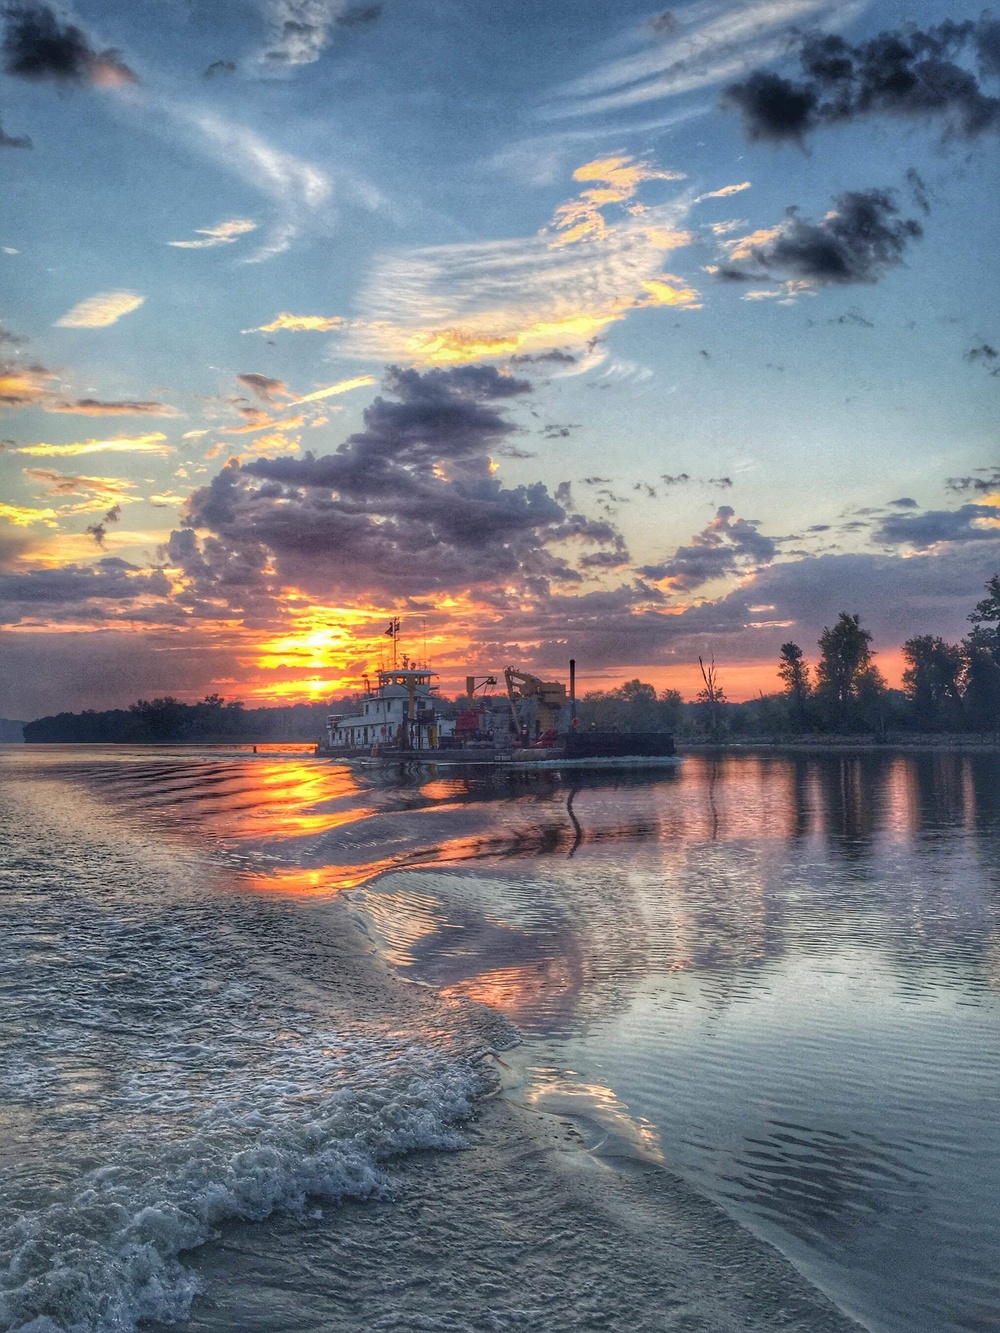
column 952, row 742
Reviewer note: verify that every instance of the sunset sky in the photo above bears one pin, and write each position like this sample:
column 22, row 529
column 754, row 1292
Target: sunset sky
column 592, row 330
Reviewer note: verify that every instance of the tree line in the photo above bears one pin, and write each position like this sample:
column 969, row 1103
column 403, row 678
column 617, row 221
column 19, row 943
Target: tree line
column 947, row 687
column 213, row 721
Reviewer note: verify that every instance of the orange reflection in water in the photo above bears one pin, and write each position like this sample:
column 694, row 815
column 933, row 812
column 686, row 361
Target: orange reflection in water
column 519, row 992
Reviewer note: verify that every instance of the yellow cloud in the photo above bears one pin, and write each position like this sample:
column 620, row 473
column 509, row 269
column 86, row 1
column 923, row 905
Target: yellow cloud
column 23, row 517
column 342, row 386
column 137, row 444
column 668, row 290
column 621, row 177
column 97, row 312
column 744, row 246
column 300, row 323
column 223, row 233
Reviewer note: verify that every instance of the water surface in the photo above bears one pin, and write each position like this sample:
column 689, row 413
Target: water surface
column 775, row 976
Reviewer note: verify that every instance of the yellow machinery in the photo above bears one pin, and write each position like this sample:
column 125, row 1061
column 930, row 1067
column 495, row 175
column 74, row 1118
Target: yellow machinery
column 548, row 697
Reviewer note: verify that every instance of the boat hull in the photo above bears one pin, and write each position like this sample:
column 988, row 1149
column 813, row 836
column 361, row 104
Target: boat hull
column 576, row 750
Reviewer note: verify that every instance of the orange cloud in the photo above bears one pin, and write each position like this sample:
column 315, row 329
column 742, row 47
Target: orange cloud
column 20, row 385
column 96, row 407
column 342, row 386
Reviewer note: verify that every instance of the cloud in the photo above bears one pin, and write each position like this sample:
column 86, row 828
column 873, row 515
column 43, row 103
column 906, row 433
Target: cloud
column 409, row 505
column 110, row 579
column 970, row 522
column 263, row 387
column 99, row 311
column 298, row 30
column 218, row 67
column 463, row 303
column 22, row 516
column 722, row 548
column 13, row 140
column 724, row 193
column 908, row 73
column 985, row 355
column 856, row 241
column 99, row 531
column 38, row 45
column 96, row 407
column 988, row 482
column 904, row 502
column 300, row 323
column 342, row 386
column 223, row 233
column 710, row 42
column 101, row 491
column 22, row 385
column 153, row 443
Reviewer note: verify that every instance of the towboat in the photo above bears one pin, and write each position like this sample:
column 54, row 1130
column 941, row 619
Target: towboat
column 532, row 725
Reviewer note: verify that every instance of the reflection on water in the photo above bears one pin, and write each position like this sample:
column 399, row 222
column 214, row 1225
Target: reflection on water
column 779, row 972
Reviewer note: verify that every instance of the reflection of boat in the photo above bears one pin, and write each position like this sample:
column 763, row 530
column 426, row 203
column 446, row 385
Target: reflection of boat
column 532, row 725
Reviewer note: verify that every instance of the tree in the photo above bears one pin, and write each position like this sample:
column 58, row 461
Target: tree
column 931, row 680
column 794, row 671
column 982, row 686
column 986, row 620
column 711, row 697
column 848, row 684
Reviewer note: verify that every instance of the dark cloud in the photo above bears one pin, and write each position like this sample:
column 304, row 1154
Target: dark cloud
column 856, row 242
column 359, row 16
column 934, row 526
column 556, row 357
column 13, row 140
column 984, row 355
column 406, row 506
column 110, row 579
column 910, row 73
column 721, row 548
column 99, row 531
column 218, row 67
column 988, row 480
column 263, row 387
column 904, row 502
column 39, row 45
column 664, row 24
column 9, row 339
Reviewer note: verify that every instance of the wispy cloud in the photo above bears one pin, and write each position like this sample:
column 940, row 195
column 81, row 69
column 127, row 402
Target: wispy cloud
column 561, row 287
column 711, row 41
column 300, row 323
column 223, row 233
column 342, row 386
column 100, row 492
column 153, row 443
column 299, row 30
column 99, row 311
column 96, row 407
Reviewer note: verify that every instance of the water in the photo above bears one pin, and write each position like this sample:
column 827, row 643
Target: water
column 764, row 989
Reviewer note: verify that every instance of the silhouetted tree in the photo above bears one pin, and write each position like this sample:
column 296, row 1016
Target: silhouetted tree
column 932, row 681
column 986, row 620
column 711, row 698
column 794, row 671
column 849, row 685
column 982, row 686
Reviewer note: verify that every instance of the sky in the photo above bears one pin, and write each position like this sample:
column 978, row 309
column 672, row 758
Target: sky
column 596, row 331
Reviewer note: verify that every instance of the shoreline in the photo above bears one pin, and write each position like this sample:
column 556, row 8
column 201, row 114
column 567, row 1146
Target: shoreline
column 950, row 743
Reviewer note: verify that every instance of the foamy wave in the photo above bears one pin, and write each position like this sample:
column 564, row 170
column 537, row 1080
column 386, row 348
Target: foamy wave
column 106, row 1255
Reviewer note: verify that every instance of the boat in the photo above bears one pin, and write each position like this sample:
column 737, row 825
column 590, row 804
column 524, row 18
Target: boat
column 531, row 725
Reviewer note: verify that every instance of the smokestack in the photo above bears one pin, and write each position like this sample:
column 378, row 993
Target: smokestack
column 572, row 688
